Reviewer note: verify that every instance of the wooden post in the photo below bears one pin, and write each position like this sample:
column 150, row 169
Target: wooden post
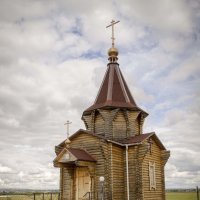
column 43, row 196
column 34, row 196
column 197, row 193
column 51, row 196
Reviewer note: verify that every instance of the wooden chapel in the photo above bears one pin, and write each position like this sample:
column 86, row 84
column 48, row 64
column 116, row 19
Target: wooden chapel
column 113, row 146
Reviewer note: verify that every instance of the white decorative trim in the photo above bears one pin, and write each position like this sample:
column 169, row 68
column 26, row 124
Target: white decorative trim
column 152, row 175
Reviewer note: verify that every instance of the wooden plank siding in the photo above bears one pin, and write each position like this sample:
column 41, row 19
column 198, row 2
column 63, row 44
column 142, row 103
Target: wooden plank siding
column 67, row 181
column 155, row 157
column 136, row 156
column 99, row 150
column 61, row 183
column 114, row 124
column 108, row 116
column 132, row 117
column 99, row 125
column 117, row 170
column 87, row 119
column 119, row 126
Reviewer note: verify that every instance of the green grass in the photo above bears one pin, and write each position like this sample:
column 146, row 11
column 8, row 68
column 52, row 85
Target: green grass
column 30, row 196
column 181, row 196
column 169, row 196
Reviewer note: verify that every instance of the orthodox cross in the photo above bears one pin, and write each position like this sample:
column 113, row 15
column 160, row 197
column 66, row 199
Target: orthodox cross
column 113, row 22
column 67, row 124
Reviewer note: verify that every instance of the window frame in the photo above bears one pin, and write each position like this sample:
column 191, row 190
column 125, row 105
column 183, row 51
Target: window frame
column 152, row 175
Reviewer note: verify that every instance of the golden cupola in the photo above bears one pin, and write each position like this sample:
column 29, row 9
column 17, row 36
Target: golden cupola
column 112, row 54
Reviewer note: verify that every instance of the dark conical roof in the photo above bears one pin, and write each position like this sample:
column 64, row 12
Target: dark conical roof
column 114, row 92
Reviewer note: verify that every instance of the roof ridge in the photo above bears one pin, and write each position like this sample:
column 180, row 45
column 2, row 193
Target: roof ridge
column 126, row 141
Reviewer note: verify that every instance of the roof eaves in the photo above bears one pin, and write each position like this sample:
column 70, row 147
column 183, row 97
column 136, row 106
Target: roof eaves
column 160, row 143
column 59, row 155
column 123, row 145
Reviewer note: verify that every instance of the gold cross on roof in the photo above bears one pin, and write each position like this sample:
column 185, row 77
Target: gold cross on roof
column 113, row 22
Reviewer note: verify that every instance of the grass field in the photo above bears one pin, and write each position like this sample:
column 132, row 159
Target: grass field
column 169, row 196
column 181, row 196
column 37, row 196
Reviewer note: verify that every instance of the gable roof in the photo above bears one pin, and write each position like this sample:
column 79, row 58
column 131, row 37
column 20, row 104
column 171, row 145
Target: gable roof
column 81, row 155
column 135, row 140
column 76, row 155
column 114, row 92
column 78, row 133
column 138, row 139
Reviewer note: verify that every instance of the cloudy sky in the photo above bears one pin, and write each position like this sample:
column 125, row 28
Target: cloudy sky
column 52, row 61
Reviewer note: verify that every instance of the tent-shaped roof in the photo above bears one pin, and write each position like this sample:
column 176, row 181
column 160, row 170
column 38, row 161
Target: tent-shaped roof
column 114, row 91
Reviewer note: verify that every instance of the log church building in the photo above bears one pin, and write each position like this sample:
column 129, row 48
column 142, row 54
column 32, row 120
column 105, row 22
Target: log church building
column 112, row 159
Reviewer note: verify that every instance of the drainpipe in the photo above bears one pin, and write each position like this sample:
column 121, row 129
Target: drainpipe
column 127, row 173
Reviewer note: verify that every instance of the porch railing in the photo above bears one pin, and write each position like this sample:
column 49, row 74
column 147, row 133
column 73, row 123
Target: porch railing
column 30, row 196
column 88, row 196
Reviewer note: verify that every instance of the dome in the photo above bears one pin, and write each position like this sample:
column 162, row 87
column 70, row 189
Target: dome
column 113, row 52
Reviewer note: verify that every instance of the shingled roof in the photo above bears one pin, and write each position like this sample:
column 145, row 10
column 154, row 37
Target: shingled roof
column 114, row 91
column 82, row 155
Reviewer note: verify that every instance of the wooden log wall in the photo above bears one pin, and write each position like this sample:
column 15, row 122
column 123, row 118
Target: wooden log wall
column 119, row 126
column 99, row 125
column 136, row 157
column 132, row 117
column 141, row 123
column 112, row 165
column 114, row 123
column 61, row 183
column 132, row 162
column 99, row 150
column 108, row 116
column 155, row 157
column 117, row 173
column 67, row 192
column 89, row 121
column 164, row 158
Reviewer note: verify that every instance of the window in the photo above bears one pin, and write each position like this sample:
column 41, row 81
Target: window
column 152, row 175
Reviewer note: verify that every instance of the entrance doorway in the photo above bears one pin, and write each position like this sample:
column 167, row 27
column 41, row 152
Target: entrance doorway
column 83, row 182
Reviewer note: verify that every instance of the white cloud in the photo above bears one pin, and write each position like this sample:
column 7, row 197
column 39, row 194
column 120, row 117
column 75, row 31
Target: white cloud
column 53, row 61
column 161, row 15
column 1, row 182
column 188, row 70
column 4, row 169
